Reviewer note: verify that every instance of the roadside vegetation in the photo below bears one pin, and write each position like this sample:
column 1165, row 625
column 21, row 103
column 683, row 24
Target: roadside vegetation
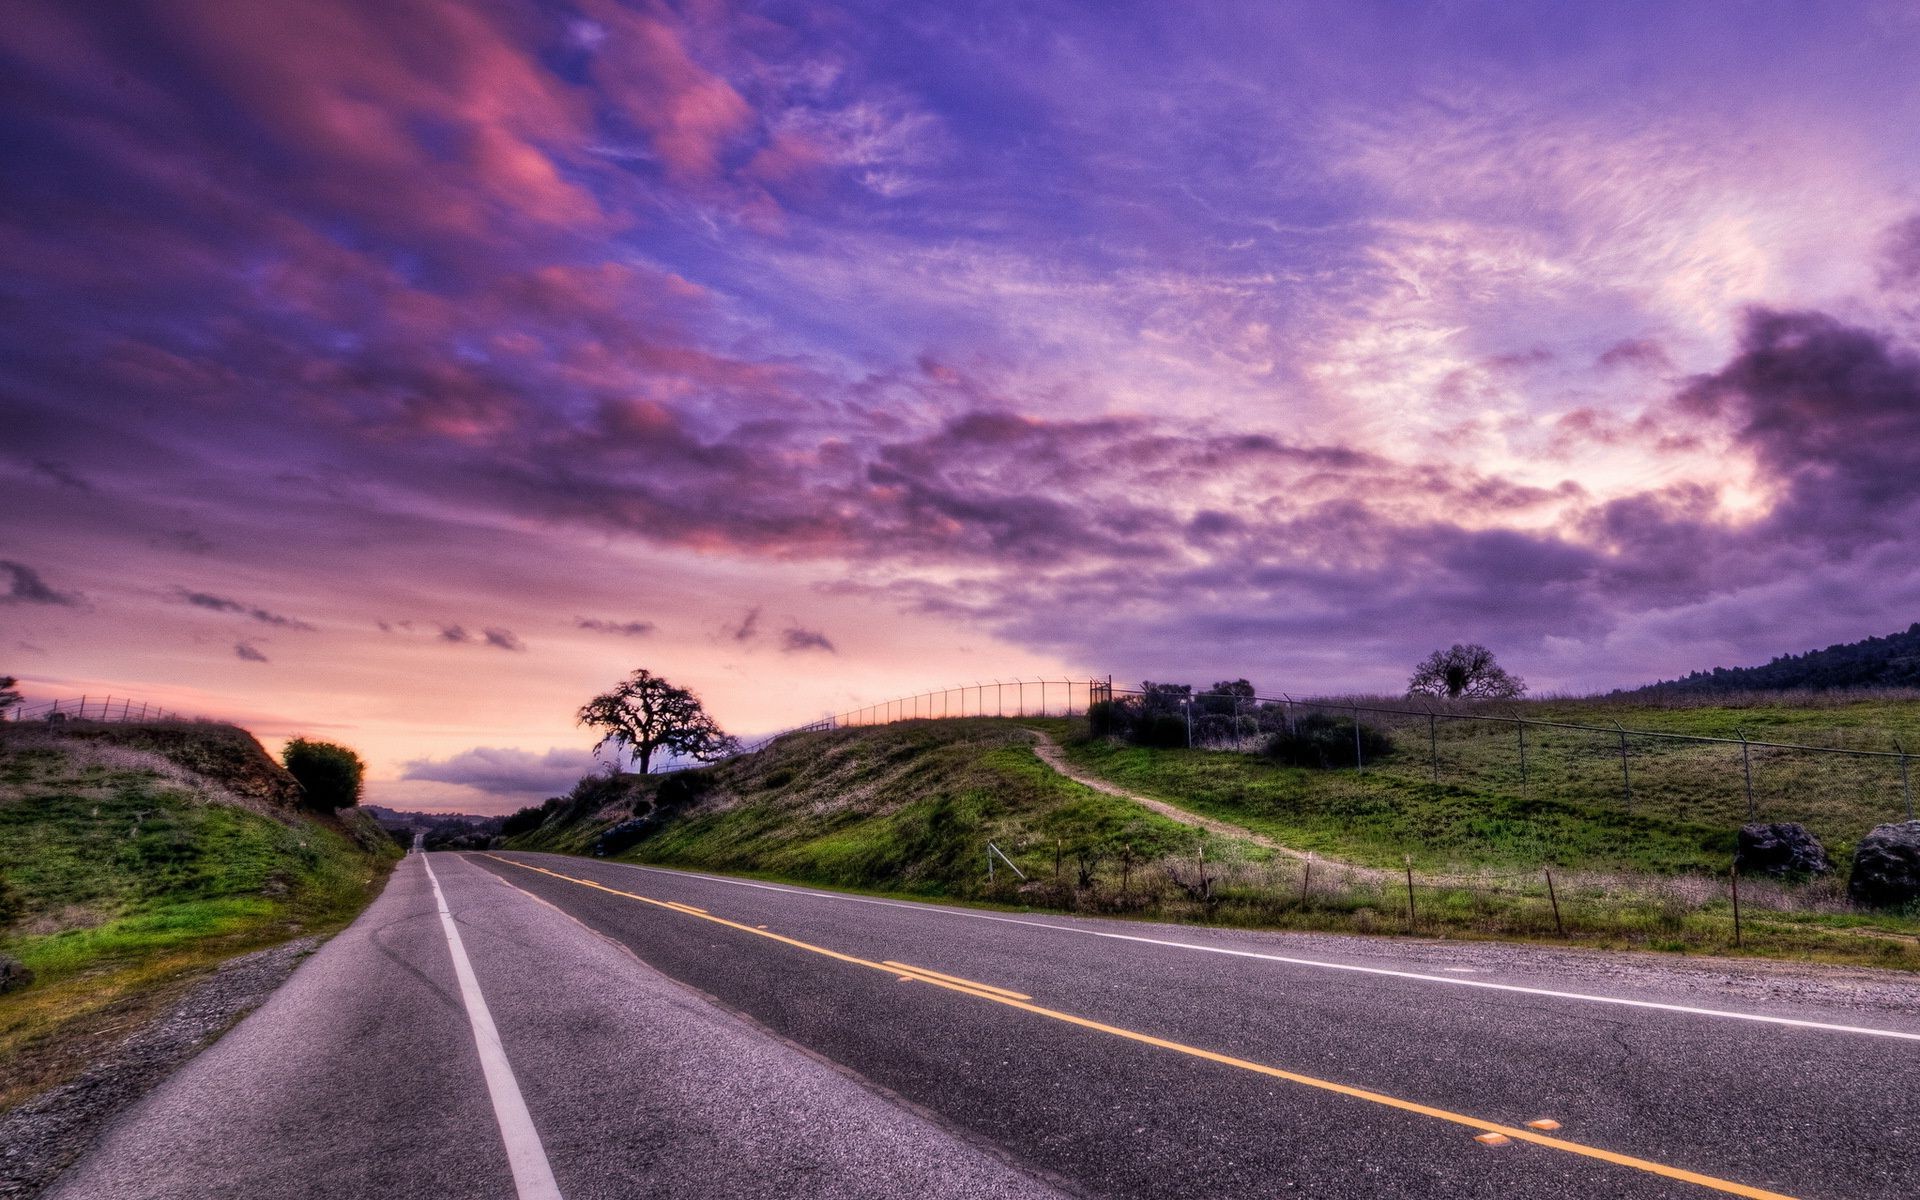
column 135, row 857
column 909, row 808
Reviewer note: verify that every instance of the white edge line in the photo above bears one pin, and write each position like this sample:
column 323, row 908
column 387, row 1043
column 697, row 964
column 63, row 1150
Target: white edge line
column 532, row 1175
column 1450, row 980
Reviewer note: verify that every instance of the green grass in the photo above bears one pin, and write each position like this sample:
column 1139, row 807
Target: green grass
column 907, row 810
column 127, row 875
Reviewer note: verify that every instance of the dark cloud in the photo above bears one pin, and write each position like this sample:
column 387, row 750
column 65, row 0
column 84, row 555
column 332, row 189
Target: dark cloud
column 454, row 633
column 504, row 639
column 247, row 652
column 748, row 627
column 622, row 628
column 503, row 772
column 223, row 604
column 795, row 640
column 1900, row 256
column 24, row 586
column 1641, row 353
column 61, row 474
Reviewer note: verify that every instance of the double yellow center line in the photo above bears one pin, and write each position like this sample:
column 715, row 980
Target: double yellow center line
column 1018, row 1000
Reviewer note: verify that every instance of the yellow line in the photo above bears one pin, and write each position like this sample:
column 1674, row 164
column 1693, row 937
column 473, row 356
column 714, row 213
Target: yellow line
column 998, row 996
column 978, row 987
column 687, row 907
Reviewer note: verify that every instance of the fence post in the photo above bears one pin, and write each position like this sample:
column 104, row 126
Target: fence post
column 1746, row 764
column 1409, row 860
column 1554, row 896
column 1734, row 874
column 1433, row 746
column 1626, row 773
column 1306, row 879
column 1359, row 767
column 1906, row 780
column 1520, row 724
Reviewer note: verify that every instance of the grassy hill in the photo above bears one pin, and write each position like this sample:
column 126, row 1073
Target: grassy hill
column 135, row 856
column 1892, row 661
column 909, row 808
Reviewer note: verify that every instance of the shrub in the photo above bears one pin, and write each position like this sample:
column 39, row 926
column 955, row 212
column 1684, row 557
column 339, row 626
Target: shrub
column 329, row 775
column 527, row 819
column 682, row 788
column 1324, row 740
column 1162, row 730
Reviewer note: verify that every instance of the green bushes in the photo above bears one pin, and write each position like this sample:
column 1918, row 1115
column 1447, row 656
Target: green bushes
column 329, row 775
column 1324, row 740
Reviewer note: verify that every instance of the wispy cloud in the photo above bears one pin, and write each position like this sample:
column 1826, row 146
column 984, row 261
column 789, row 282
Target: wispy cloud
column 25, row 586
column 224, row 604
column 795, row 640
column 622, row 628
column 247, row 652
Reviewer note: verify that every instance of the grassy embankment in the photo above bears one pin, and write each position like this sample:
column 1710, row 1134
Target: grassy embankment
column 908, row 809
column 137, row 856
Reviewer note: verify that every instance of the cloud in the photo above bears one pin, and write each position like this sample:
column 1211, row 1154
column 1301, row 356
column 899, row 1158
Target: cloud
column 622, row 628
column 504, row 639
column 794, row 640
column 506, row 772
column 223, row 604
column 248, row 653
column 24, row 586
column 748, row 627
column 454, row 633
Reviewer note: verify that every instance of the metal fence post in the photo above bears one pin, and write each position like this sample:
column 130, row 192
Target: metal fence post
column 1626, row 773
column 1433, row 746
column 1358, row 767
column 1746, row 765
column 1520, row 724
column 1906, row 780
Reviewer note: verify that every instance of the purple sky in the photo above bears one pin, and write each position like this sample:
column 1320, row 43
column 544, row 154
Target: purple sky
column 405, row 372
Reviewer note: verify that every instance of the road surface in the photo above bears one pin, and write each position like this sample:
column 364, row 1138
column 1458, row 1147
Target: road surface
column 587, row 1029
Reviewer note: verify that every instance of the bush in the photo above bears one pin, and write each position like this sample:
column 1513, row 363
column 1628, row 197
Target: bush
column 1324, row 740
column 1161, row 730
column 329, row 775
column 682, row 788
column 527, row 819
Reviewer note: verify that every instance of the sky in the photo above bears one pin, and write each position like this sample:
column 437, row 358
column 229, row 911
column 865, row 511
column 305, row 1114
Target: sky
column 402, row 373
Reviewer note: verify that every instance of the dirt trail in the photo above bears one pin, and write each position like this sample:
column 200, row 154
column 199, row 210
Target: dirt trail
column 1049, row 752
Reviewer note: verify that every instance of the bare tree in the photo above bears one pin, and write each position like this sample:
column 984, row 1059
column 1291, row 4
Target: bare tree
column 1464, row 671
column 645, row 715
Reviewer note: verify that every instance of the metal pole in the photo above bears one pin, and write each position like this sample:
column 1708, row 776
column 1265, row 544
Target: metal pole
column 1746, row 764
column 1409, row 893
column 1306, row 879
column 1522, row 727
column 1433, row 746
column 1626, row 773
column 1555, row 897
column 1734, row 874
column 1906, row 780
column 1358, row 767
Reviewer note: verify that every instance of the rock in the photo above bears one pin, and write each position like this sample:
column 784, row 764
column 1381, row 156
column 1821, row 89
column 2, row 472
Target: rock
column 14, row 975
column 621, row 836
column 1886, row 866
column 1785, row 848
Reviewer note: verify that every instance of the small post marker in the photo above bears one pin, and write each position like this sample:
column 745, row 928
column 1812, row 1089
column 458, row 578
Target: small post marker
column 1409, row 860
column 1544, row 1124
column 1491, row 1139
column 1558, row 926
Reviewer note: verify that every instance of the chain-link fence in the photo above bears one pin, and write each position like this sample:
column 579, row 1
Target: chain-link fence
column 1863, row 778
column 90, row 708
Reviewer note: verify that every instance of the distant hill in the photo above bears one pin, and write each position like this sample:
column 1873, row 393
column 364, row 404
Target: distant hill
column 1890, row 661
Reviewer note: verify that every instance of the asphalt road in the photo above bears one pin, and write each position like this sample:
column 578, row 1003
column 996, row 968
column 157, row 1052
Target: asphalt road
column 668, row 1034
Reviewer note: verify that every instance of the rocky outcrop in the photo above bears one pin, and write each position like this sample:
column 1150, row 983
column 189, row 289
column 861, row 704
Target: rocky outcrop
column 1886, row 866
column 14, row 975
column 1785, row 848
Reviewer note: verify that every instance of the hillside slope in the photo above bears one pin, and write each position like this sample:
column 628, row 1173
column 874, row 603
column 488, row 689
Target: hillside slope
column 1892, row 661
column 903, row 808
column 135, row 856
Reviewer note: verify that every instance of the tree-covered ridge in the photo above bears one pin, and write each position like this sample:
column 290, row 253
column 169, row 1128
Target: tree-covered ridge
column 1890, row 661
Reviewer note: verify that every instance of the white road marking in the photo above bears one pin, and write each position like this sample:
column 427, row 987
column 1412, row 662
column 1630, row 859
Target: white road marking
column 1451, row 980
column 532, row 1176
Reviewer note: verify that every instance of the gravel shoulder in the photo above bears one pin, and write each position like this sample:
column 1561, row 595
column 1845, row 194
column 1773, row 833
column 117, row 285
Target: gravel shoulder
column 49, row 1132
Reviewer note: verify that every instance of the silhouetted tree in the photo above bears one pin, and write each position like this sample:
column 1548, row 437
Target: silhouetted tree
column 329, row 775
column 8, row 695
column 645, row 715
column 1464, row 671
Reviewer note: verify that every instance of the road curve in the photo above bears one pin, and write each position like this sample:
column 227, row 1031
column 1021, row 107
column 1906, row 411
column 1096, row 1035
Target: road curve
column 687, row 1035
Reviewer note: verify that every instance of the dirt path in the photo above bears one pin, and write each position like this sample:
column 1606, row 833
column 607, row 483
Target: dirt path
column 1049, row 752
